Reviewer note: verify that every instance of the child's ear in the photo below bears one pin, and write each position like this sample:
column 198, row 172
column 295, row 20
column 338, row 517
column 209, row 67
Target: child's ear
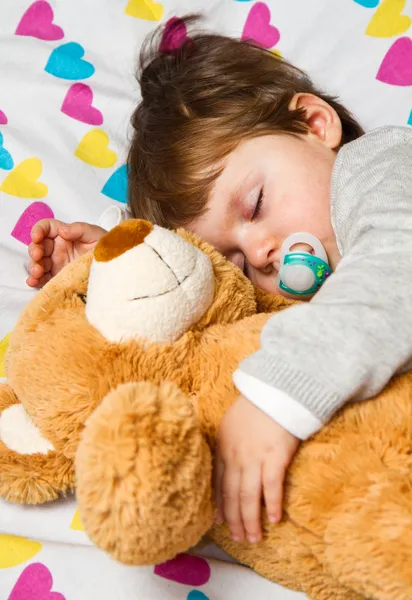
column 322, row 119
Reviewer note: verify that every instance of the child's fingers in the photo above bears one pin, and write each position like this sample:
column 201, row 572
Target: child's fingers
column 39, row 273
column 32, row 281
column 48, row 247
column 47, row 264
column 250, row 502
column 231, row 502
column 38, row 283
column 46, row 228
column 37, row 251
column 273, row 477
column 82, row 232
column 38, row 269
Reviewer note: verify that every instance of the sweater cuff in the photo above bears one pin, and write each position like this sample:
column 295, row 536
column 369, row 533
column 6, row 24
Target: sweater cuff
column 320, row 400
column 288, row 413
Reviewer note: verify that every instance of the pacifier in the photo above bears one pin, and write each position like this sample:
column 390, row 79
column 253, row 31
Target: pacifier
column 302, row 273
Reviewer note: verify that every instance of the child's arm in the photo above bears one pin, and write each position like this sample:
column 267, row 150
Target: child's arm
column 356, row 333
column 55, row 244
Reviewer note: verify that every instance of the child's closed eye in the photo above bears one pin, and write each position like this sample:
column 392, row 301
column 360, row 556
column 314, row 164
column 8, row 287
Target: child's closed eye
column 258, row 205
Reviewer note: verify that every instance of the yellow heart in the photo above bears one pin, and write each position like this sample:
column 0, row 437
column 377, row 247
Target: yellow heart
column 22, row 181
column 4, row 344
column 93, row 150
column 388, row 20
column 145, row 9
column 16, row 550
column 76, row 523
column 276, row 52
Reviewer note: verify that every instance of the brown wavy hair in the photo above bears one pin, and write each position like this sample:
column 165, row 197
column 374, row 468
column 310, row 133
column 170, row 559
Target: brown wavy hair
column 198, row 102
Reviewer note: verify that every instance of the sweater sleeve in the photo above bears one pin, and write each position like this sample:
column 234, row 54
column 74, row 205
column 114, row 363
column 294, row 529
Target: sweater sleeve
column 355, row 334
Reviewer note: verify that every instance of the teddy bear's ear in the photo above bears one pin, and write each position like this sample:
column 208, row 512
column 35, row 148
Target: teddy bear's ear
column 266, row 302
column 122, row 238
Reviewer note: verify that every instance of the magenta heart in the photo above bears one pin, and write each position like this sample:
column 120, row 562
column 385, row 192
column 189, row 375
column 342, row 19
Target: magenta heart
column 37, row 22
column 78, row 105
column 174, row 35
column 258, row 27
column 396, row 67
column 35, row 583
column 33, row 213
column 185, row 569
column 3, row 118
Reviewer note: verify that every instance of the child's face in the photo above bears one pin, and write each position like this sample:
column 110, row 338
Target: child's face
column 270, row 187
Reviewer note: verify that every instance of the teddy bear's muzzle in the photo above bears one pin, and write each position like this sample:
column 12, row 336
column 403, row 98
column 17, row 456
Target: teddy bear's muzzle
column 147, row 282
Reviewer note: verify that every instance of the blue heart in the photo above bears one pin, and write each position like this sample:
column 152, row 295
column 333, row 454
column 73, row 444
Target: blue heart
column 410, row 119
column 66, row 62
column 368, row 3
column 116, row 186
column 6, row 161
column 197, row 595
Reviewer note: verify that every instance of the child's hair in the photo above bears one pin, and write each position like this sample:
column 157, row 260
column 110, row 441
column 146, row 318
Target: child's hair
column 198, row 102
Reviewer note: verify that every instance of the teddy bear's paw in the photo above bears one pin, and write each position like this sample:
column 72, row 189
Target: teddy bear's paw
column 144, row 474
column 31, row 472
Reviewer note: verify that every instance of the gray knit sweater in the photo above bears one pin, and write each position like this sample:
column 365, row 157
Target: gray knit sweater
column 356, row 333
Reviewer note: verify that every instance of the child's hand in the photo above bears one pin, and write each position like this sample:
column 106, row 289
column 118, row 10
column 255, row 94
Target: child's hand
column 253, row 455
column 55, row 244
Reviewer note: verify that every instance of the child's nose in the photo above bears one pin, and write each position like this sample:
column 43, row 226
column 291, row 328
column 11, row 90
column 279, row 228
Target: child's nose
column 264, row 257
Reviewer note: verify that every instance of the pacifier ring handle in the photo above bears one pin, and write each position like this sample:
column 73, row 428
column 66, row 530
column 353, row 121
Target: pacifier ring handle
column 303, row 238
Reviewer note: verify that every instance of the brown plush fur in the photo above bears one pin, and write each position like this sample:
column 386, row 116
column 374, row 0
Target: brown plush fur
column 120, row 239
column 140, row 420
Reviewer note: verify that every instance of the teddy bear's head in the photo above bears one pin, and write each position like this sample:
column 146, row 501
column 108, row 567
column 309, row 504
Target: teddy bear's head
column 156, row 284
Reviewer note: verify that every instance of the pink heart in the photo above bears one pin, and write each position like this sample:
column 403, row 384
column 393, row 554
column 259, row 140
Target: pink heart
column 174, row 35
column 3, row 118
column 37, row 22
column 185, row 569
column 32, row 214
column 258, row 27
column 78, row 105
column 35, row 583
column 396, row 67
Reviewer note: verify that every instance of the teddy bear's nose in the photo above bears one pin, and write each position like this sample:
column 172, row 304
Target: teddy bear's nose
column 124, row 237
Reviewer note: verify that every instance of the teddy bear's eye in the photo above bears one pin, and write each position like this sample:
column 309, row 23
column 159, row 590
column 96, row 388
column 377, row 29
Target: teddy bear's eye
column 83, row 298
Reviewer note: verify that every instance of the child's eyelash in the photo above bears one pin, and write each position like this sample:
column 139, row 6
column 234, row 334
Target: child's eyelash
column 258, row 206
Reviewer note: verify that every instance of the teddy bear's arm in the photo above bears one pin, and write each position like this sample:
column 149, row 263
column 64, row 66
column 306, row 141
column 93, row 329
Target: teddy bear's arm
column 144, row 474
column 30, row 470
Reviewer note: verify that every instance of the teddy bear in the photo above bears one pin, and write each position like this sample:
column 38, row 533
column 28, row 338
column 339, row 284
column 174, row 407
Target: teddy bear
column 119, row 373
